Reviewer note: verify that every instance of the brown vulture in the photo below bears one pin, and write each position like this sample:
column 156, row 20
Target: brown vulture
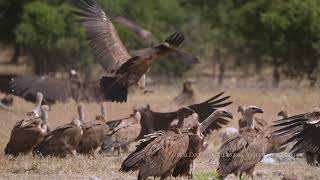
column 122, row 70
column 242, row 152
column 27, row 133
column 187, row 94
column 304, row 132
column 56, row 89
column 259, row 123
column 158, row 154
column 63, row 140
column 185, row 166
column 152, row 121
column 94, row 133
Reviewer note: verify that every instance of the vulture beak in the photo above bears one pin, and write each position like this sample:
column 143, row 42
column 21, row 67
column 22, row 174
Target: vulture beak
column 258, row 110
column 228, row 114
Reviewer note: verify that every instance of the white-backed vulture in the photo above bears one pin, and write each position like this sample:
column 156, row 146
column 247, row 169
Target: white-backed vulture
column 241, row 153
column 187, row 94
column 61, row 141
column 123, row 134
column 304, row 132
column 157, row 154
column 185, row 166
column 123, row 71
column 94, row 133
column 152, row 121
column 55, row 89
column 26, row 134
column 259, row 123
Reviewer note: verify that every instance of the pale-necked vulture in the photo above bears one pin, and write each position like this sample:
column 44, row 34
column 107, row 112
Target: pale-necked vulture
column 94, row 133
column 122, row 70
column 61, row 141
column 187, row 94
column 152, row 121
column 304, row 130
column 242, row 152
column 56, row 89
column 157, row 154
column 185, row 166
column 120, row 136
column 259, row 123
column 27, row 133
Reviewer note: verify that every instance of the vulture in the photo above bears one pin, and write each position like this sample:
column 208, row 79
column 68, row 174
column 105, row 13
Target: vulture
column 121, row 70
column 27, row 133
column 152, row 121
column 259, row 123
column 282, row 114
column 185, row 166
column 242, row 152
column 56, row 89
column 94, row 133
column 63, row 140
column 123, row 134
column 304, row 132
column 187, row 94
column 7, row 100
column 165, row 152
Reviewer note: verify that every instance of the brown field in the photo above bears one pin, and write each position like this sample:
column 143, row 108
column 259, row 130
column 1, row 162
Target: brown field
column 106, row 167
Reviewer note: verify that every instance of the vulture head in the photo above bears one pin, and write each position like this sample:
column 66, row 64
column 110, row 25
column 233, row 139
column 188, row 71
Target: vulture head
column 248, row 114
column 282, row 114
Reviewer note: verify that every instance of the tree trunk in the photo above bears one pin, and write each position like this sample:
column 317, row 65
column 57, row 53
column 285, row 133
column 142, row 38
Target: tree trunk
column 16, row 54
column 276, row 74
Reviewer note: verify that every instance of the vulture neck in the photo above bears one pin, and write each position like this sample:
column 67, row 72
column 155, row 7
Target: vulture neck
column 37, row 109
column 103, row 110
column 248, row 117
column 180, row 122
column 81, row 113
column 44, row 117
column 207, row 122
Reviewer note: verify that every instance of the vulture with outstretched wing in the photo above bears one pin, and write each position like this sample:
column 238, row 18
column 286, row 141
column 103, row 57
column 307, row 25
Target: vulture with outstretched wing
column 54, row 89
column 122, row 70
column 153, row 121
column 304, row 130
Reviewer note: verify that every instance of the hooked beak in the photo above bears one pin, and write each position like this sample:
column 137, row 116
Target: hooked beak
column 228, row 114
column 258, row 110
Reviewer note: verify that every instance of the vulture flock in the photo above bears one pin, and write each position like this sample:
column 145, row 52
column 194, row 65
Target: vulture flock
column 167, row 143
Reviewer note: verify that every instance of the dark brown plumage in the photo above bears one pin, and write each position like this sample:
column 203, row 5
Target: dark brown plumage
column 94, row 133
column 27, row 133
column 123, row 134
column 304, row 130
column 187, row 94
column 157, row 154
column 242, row 152
column 61, row 141
column 54, row 89
column 185, row 166
column 152, row 121
column 122, row 69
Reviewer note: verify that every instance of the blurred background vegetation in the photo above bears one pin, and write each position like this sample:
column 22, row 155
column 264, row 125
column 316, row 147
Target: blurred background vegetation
column 247, row 36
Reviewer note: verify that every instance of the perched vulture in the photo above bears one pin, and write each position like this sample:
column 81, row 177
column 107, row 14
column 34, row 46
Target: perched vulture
column 123, row 134
column 94, row 133
column 259, row 123
column 187, row 94
column 62, row 141
column 27, row 133
column 152, row 121
column 55, row 89
column 157, row 154
column 185, row 166
column 304, row 131
column 241, row 153
column 122, row 70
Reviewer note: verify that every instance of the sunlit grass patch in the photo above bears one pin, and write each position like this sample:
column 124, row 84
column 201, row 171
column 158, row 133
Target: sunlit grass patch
column 205, row 175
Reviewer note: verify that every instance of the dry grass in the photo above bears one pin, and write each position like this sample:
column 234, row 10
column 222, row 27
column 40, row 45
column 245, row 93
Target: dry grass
column 82, row 167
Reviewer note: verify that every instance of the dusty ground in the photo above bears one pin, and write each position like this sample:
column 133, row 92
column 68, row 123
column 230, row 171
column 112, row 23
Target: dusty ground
column 106, row 167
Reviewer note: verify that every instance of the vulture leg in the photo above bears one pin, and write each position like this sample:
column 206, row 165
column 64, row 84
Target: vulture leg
column 249, row 172
column 167, row 174
column 315, row 160
column 140, row 176
column 192, row 168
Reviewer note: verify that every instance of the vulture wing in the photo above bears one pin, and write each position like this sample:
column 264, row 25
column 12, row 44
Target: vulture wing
column 52, row 89
column 103, row 38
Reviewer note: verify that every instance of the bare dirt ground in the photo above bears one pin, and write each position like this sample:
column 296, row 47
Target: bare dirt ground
column 106, row 167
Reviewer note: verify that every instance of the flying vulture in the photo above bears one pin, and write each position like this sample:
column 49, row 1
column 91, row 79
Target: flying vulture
column 56, row 89
column 27, row 133
column 122, row 70
column 94, row 133
column 123, row 134
column 304, row 132
column 152, row 121
column 62, row 141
